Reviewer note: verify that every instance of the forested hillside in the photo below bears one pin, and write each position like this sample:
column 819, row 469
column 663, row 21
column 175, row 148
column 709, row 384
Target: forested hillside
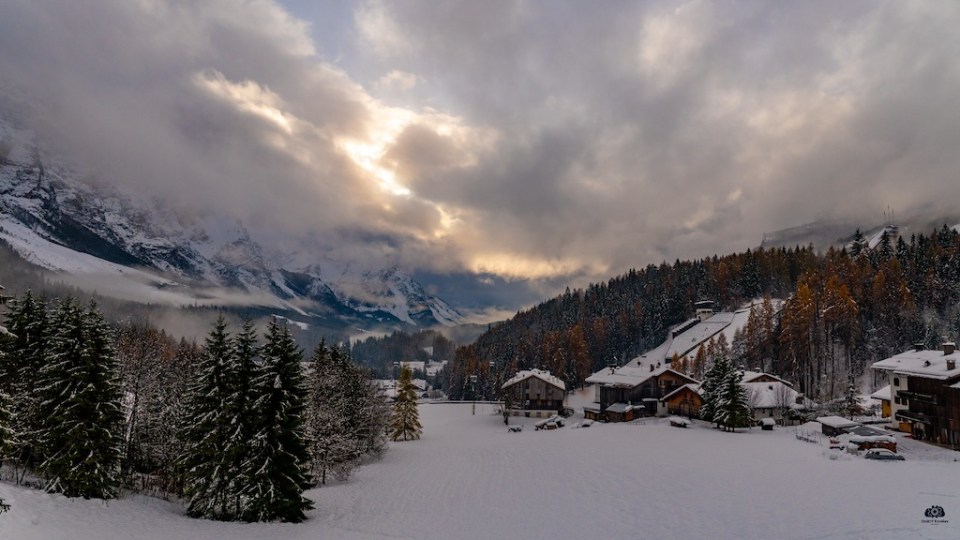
column 379, row 353
column 845, row 309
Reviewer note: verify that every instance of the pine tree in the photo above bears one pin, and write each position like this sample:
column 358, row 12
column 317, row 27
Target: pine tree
column 26, row 354
column 405, row 424
column 242, row 375
column 732, row 405
column 275, row 475
column 858, row 244
column 82, row 421
column 207, row 477
column 7, row 433
column 8, row 437
column 710, row 388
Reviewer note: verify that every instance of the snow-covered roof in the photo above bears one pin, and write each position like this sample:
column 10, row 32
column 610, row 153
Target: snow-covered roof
column 836, row 422
column 929, row 364
column 883, row 393
column 619, row 408
column 652, row 357
column 544, row 376
column 695, row 388
column 749, row 376
column 629, row 377
column 770, row 395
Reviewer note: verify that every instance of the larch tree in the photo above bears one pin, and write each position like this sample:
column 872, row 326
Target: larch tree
column 405, row 423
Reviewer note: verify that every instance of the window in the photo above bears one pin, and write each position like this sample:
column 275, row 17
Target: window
column 896, row 381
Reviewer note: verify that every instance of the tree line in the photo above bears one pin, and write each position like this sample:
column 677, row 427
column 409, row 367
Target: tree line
column 238, row 427
column 844, row 309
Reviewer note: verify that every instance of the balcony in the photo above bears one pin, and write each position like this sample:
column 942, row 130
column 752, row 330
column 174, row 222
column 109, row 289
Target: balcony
column 916, row 396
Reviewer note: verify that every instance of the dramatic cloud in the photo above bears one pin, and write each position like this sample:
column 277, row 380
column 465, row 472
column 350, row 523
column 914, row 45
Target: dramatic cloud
column 538, row 143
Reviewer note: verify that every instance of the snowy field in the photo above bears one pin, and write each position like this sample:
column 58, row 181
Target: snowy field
column 471, row 479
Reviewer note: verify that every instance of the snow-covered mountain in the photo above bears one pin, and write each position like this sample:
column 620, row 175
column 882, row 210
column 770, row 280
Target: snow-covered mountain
column 133, row 248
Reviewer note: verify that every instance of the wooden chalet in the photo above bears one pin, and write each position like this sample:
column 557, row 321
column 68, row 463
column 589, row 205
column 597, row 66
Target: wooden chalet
column 535, row 393
column 684, row 401
column 772, row 397
column 925, row 393
column 634, row 388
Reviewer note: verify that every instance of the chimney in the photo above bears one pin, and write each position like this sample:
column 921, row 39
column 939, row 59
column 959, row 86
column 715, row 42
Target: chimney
column 951, row 364
column 949, row 347
column 651, row 367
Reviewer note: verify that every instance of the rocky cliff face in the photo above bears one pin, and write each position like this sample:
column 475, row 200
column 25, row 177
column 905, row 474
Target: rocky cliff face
column 57, row 219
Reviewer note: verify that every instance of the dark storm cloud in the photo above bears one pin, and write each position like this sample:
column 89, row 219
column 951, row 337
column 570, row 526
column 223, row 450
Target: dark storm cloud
column 554, row 142
column 632, row 133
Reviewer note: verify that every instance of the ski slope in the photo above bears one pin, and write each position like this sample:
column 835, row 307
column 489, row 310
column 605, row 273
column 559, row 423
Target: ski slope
column 468, row 478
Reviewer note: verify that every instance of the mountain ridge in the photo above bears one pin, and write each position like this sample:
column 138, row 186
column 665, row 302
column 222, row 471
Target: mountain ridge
column 139, row 249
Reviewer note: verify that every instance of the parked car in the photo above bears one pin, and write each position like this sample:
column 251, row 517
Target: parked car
column 883, row 454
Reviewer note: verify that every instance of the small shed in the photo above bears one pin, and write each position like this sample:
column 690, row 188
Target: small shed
column 620, row 412
column 766, row 424
column 884, row 396
column 835, row 425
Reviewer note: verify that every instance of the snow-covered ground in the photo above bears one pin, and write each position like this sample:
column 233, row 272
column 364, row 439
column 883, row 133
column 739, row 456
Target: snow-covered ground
column 468, row 478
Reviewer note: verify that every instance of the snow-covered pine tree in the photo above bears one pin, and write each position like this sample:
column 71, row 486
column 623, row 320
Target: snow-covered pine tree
column 207, row 477
column 733, row 406
column 405, row 423
column 8, row 436
column 710, row 388
column 243, row 374
column 25, row 355
column 82, row 421
column 275, row 475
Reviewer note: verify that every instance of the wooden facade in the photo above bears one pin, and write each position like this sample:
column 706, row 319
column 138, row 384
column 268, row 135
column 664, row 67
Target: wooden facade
column 684, row 402
column 533, row 395
column 933, row 410
column 654, row 388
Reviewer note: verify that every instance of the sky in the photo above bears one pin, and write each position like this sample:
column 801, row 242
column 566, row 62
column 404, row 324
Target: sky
column 501, row 150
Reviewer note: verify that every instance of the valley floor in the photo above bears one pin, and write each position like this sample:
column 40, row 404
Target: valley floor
column 468, row 478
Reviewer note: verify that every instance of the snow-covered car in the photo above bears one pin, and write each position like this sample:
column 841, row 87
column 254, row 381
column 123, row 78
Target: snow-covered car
column 883, row 454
